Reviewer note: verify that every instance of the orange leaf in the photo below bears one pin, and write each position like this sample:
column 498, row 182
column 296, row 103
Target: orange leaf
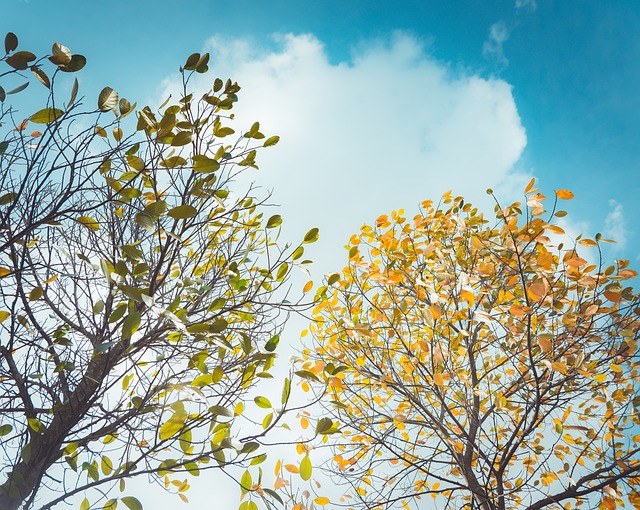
column 307, row 286
column 545, row 344
column 576, row 262
column 613, row 296
column 555, row 229
column 279, row 483
column 530, row 185
column 564, row 194
column 438, row 380
column 625, row 274
column 291, row 468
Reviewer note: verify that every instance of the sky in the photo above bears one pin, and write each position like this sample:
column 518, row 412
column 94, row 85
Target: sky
column 381, row 105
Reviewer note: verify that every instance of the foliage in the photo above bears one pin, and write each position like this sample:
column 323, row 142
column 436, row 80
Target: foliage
column 480, row 363
column 141, row 297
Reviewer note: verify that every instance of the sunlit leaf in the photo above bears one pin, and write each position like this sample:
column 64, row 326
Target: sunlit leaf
column 46, row 116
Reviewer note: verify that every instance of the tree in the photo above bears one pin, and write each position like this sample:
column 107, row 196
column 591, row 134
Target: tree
column 483, row 364
column 141, row 296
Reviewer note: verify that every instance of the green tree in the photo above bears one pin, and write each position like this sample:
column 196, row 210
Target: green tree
column 479, row 363
column 141, row 296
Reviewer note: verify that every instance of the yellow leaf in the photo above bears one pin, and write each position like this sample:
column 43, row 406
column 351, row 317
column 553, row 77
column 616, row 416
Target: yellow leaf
column 600, row 378
column 615, row 368
column 564, row 194
column 4, row 315
column 438, row 380
column 467, row 296
column 52, row 279
column 321, row 501
column 4, row 272
column 559, row 366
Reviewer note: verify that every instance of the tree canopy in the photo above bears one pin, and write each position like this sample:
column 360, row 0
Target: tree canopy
column 483, row 363
column 141, row 293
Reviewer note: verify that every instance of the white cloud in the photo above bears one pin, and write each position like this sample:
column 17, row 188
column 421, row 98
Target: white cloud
column 614, row 224
column 387, row 130
column 526, row 5
column 493, row 47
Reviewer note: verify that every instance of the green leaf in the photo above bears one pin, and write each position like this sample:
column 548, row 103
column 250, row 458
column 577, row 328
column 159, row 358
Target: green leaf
column 5, row 429
column 192, row 62
column 106, row 465
column 20, row 60
column 258, row 460
column 89, row 222
column 272, row 140
column 183, row 211
column 35, row 424
column 324, row 425
column 112, row 504
column 246, row 482
column 282, row 271
column 223, row 131
column 60, row 55
column 305, row 374
column 335, row 277
column 186, row 444
column 74, row 91
column 272, row 344
column 274, row 221
column 173, row 162
column 107, row 100
column 221, row 411
column 130, row 324
column 46, row 116
column 267, row 421
column 305, row 468
column 262, row 402
column 7, row 198
column 218, row 326
column 118, row 313
column 85, row 504
column 311, row 236
column 173, row 425
column 36, row 293
column 286, row 391
column 131, row 503
column 41, row 76
column 4, row 145
column 77, row 63
column 182, row 138
column 299, row 251
column 204, row 164
column 135, row 162
column 10, row 42
column 19, row 88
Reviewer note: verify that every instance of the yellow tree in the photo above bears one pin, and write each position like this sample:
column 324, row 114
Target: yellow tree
column 481, row 363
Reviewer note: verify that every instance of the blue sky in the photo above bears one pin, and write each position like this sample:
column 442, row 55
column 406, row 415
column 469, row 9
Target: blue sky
column 381, row 105
column 573, row 69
